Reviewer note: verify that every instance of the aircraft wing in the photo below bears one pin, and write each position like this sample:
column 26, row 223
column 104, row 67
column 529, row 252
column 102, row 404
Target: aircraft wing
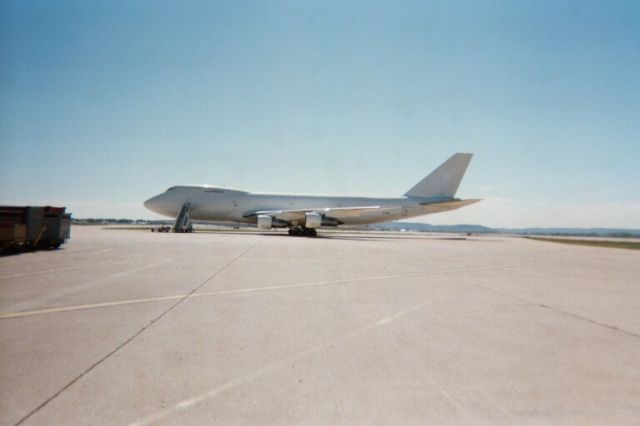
column 331, row 212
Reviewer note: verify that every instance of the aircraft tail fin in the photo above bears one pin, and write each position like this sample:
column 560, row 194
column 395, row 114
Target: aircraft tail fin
column 443, row 181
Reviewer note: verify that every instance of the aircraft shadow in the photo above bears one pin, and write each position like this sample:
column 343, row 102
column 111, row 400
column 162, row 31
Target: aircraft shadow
column 321, row 236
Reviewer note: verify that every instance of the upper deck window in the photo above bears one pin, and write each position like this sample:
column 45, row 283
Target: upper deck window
column 214, row 190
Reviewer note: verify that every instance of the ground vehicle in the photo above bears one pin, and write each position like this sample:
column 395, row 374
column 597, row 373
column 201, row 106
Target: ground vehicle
column 33, row 227
column 161, row 229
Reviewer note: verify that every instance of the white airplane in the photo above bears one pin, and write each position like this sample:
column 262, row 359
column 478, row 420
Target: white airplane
column 303, row 214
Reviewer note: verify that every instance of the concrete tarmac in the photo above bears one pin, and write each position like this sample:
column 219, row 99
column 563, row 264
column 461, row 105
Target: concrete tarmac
column 134, row 327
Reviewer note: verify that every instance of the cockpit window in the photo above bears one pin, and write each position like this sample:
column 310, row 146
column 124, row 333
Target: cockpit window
column 171, row 189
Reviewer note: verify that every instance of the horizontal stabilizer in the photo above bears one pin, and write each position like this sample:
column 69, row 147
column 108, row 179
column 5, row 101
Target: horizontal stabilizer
column 443, row 181
column 444, row 206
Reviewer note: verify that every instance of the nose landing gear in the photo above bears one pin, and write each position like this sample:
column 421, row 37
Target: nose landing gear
column 299, row 231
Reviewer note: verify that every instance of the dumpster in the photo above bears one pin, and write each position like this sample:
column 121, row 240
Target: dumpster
column 57, row 227
column 33, row 226
column 13, row 231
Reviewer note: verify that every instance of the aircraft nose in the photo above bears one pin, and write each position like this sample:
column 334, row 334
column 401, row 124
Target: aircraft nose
column 153, row 203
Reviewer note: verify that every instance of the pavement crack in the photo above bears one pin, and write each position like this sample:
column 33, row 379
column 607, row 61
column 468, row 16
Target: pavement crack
column 130, row 339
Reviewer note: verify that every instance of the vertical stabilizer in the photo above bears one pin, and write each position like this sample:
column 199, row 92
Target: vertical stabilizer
column 443, row 181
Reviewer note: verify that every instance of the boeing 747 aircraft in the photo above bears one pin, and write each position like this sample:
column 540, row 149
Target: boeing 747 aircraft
column 303, row 214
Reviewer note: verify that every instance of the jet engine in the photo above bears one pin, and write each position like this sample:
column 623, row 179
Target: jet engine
column 264, row 221
column 313, row 220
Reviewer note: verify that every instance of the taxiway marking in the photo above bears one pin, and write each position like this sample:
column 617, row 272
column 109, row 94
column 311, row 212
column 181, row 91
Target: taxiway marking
column 49, row 271
column 130, row 339
column 238, row 291
column 248, row 378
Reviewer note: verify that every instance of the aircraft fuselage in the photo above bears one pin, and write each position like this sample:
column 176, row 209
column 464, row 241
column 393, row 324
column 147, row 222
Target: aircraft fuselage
column 213, row 204
column 435, row 193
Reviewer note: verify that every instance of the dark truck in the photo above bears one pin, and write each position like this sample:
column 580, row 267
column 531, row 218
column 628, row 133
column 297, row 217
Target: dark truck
column 33, row 227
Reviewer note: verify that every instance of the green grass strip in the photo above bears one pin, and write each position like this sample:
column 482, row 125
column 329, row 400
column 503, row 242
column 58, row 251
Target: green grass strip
column 630, row 245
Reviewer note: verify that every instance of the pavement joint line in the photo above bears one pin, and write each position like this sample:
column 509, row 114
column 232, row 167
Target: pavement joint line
column 127, row 341
column 558, row 311
column 601, row 324
column 248, row 378
column 453, row 401
column 61, row 309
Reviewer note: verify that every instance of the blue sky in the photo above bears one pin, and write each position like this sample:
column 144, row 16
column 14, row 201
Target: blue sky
column 103, row 104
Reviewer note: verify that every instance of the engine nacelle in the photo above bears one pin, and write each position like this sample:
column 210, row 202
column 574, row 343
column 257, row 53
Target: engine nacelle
column 264, row 221
column 330, row 221
column 313, row 220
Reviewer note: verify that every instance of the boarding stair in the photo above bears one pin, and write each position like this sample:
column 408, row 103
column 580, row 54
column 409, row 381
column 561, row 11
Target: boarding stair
column 183, row 221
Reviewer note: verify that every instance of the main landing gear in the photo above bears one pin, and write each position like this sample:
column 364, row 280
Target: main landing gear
column 299, row 231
